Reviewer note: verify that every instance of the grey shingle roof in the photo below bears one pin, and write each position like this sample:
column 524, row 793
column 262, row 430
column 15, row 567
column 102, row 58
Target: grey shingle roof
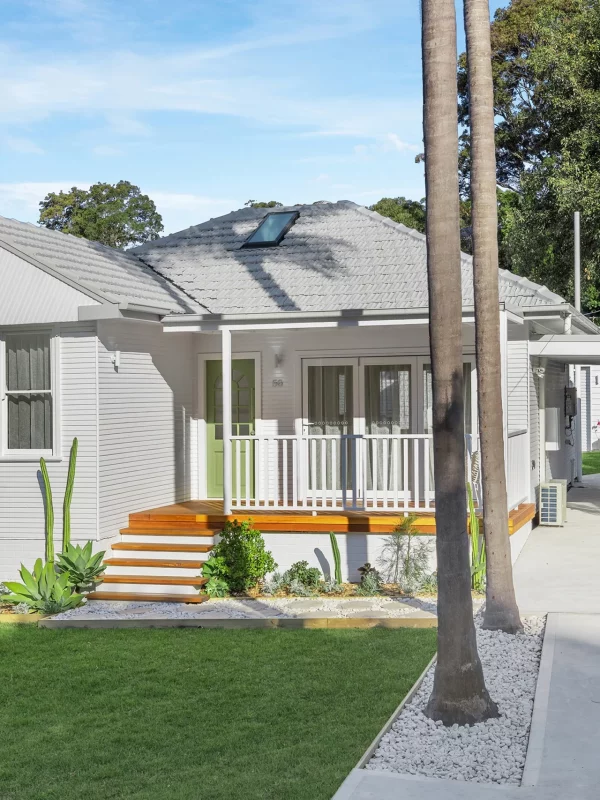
column 337, row 256
column 111, row 274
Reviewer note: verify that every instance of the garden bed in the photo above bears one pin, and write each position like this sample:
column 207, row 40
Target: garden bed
column 489, row 752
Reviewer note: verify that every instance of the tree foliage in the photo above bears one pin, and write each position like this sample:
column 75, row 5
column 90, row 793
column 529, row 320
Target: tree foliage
column 546, row 59
column 409, row 212
column 116, row 215
column 263, row 204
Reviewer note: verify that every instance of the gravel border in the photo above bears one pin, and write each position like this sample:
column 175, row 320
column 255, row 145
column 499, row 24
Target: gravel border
column 489, row 752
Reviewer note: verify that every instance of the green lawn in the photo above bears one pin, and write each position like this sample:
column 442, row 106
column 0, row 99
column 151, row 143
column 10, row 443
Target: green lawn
column 192, row 714
column 591, row 462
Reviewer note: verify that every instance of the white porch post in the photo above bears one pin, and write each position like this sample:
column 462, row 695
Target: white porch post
column 227, row 471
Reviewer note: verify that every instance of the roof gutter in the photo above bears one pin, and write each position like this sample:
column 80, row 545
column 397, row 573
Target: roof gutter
column 564, row 310
column 291, row 319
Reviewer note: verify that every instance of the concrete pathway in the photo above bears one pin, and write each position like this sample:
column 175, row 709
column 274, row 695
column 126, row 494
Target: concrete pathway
column 558, row 568
column 562, row 759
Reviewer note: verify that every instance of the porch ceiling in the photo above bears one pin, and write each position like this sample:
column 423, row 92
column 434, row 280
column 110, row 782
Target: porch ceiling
column 568, row 349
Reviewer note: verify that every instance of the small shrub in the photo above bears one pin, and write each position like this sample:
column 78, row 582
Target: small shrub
column 331, row 587
column 301, row 572
column 301, row 589
column 404, row 558
column 276, row 583
column 43, row 590
column 216, row 587
column 369, row 584
column 215, row 567
column 82, row 568
column 242, row 549
column 430, row 584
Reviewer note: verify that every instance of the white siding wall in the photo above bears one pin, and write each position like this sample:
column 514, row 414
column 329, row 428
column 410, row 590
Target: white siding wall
column 146, row 429
column 534, row 426
column 21, row 499
column 29, row 295
column 559, row 463
column 517, row 378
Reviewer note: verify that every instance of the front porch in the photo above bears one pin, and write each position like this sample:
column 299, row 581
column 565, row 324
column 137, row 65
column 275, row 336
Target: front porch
column 210, row 516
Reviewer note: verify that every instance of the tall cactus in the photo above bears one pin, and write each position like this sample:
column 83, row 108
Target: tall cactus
column 49, row 513
column 66, row 536
column 336, row 558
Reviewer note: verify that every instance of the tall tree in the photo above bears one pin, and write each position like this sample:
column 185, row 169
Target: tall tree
column 501, row 612
column 116, row 215
column 459, row 693
column 409, row 212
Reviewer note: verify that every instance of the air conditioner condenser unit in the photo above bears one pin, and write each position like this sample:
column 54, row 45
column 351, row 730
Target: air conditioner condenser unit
column 552, row 504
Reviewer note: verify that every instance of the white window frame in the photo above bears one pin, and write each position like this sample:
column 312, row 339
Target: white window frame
column 32, row 455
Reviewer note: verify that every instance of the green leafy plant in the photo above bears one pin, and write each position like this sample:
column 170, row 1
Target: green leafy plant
column 242, row 549
column 337, row 573
column 404, row 558
column 430, row 584
column 477, row 548
column 215, row 567
column 331, row 587
column 300, row 589
column 82, row 568
column 276, row 583
column 49, row 508
column 66, row 537
column 370, row 580
column 216, row 587
column 301, row 572
column 43, row 590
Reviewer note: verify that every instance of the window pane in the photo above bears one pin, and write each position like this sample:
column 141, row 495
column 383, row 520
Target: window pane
column 29, row 422
column 387, row 399
column 271, row 227
column 27, row 362
column 28, row 370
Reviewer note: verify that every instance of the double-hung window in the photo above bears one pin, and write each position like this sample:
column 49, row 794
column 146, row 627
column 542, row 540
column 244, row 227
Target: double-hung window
column 28, row 393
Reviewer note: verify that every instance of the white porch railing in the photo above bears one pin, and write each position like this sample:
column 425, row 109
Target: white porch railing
column 517, row 468
column 355, row 472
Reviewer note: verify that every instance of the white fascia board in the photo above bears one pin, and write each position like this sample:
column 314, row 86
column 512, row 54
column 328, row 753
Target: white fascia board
column 571, row 349
column 300, row 320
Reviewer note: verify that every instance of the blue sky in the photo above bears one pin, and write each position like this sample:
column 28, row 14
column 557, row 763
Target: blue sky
column 207, row 104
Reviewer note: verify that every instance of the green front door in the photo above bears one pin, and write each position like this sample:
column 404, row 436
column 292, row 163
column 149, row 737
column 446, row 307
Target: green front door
column 242, row 414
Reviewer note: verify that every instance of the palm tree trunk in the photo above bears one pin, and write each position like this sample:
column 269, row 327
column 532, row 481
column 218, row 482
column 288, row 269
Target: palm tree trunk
column 459, row 694
column 501, row 612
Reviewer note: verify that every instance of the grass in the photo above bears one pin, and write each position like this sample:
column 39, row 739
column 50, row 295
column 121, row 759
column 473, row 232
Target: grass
column 591, row 462
column 189, row 714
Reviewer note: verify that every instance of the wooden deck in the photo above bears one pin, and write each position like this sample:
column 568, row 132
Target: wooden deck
column 208, row 516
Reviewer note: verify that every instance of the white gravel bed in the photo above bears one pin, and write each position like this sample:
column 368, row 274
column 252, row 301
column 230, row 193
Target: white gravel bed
column 489, row 752
column 233, row 608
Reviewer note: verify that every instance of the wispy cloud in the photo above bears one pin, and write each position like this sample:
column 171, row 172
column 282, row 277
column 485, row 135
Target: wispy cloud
column 19, row 145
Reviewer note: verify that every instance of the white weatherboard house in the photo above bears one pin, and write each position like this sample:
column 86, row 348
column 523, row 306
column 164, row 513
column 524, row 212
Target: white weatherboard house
column 319, row 314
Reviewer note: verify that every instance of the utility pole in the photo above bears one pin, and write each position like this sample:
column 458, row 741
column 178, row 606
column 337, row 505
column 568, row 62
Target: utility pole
column 576, row 370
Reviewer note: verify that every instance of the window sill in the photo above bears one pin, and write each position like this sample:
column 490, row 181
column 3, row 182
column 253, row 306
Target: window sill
column 29, row 459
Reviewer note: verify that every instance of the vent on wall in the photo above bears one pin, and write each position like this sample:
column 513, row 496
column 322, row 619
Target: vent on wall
column 552, row 503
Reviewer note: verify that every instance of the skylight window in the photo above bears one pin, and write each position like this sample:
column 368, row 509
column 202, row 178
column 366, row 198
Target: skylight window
column 272, row 229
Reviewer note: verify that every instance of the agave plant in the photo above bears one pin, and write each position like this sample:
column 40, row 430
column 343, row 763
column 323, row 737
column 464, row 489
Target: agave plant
column 82, row 568
column 43, row 590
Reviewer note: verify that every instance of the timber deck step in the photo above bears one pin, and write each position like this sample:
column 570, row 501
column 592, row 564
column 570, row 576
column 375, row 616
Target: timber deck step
column 148, row 598
column 153, row 562
column 155, row 580
column 134, row 547
column 168, row 531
